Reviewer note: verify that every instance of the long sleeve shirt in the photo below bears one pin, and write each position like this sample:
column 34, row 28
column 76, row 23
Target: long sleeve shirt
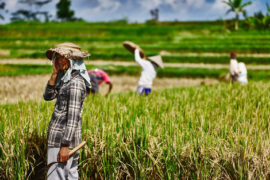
column 66, row 121
column 234, row 69
column 242, row 77
column 148, row 73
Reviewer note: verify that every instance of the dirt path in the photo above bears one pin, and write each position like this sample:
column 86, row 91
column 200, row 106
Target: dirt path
column 30, row 87
column 125, row 63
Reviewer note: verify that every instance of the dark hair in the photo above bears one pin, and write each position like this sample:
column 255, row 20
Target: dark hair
column 155, row 65
column 233, row 55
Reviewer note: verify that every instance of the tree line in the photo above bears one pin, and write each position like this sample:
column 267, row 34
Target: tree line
column 257, row 21
column 32, row 12
column 64, row 13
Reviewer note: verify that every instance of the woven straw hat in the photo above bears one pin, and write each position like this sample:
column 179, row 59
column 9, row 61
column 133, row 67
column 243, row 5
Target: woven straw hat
column 130, row 46
column 157, row 60
column 68, row 50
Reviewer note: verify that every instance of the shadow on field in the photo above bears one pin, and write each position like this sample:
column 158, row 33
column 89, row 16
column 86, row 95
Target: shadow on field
column 36, row 154
column 136, row 159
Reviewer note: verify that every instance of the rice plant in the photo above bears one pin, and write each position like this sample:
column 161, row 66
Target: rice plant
column 203, row 132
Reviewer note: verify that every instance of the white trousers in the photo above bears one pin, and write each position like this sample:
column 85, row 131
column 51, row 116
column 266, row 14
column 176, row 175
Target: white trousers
column 62, row 171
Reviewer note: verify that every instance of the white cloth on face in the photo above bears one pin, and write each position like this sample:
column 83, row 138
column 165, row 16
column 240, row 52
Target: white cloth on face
column 62, row 171
column 234, row 69
column 242, row 77
column 74, row 65
column 148, row 73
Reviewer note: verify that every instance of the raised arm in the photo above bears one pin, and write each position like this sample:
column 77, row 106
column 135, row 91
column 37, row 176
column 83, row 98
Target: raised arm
column 138, row 58
column 50, row 92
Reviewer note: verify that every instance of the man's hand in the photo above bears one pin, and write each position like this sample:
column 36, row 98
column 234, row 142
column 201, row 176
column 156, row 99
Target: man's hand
column 54, row 74
column 55, row 67
column 63, row 155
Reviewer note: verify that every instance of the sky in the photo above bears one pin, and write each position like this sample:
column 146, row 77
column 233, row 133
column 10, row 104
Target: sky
column 139, row 10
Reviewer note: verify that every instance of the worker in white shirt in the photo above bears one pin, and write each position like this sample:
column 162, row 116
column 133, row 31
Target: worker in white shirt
column 234, row 68
column 242, row 76
column 149, row 67
column 149, row 72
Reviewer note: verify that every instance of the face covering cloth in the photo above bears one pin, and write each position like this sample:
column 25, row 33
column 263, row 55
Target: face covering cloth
column 77, row 65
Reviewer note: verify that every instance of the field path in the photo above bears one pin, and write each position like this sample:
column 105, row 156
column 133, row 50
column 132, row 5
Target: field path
column 31, row 87
column 126, row 63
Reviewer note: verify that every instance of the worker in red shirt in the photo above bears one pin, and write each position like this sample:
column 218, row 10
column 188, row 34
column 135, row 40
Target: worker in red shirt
column 97, row 77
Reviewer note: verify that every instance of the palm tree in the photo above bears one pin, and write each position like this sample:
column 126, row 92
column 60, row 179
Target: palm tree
column 268, row 8
column 236, row 6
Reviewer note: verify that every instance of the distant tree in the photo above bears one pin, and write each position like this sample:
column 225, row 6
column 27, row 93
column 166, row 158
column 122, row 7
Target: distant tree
column 2, row 7
column 154, row 14
column 23, row 14
column 63, row 10
column 237, row 6
column 259, row 21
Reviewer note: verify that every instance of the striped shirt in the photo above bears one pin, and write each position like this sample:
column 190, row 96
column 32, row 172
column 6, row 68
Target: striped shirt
column 66, row 122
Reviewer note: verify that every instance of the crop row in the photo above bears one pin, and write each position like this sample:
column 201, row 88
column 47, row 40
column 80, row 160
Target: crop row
column 15, row 70
column 122, row 55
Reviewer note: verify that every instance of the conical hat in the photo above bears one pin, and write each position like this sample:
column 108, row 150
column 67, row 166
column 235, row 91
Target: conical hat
column 130, row 46
column 68, row 50
column 157, row 60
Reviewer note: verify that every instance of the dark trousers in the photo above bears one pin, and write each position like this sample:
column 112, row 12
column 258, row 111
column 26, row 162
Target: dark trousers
column 234, row 78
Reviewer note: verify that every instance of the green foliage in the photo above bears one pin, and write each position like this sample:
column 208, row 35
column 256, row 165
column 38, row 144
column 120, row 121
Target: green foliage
column 215, row 59
column 104, row 40
column 186, row 72
column 63, row 10
column 237, row 6
column 205, row 132
column 268, row 9
column 259, row 21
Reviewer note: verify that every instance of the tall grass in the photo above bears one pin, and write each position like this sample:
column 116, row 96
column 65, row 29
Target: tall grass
column 204, row 132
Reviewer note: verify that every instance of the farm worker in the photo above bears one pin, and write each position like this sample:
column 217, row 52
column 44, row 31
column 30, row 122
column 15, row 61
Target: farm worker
column 149, row 72
column 234, row 68
column 149, row 68
column 242, row 77
column 97, row 77
column 69, row 84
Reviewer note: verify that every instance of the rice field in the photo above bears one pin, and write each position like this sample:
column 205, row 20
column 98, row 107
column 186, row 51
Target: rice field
column 14, row 89
column 211, row 130
column 104, row 40
column 203, row 132
column 133, row 70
